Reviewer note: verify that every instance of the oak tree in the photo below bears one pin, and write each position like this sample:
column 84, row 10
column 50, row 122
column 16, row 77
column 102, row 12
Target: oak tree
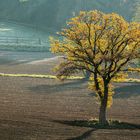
column 102, row 44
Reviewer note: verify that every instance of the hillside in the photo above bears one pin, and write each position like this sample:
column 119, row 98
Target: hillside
column 52, row 14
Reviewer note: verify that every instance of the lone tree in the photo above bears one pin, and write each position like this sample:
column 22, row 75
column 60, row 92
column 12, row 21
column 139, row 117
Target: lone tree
column 102, row 44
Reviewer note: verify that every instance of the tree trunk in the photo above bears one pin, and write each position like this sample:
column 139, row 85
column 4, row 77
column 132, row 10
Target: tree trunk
column 102, row 114
column 103, row 107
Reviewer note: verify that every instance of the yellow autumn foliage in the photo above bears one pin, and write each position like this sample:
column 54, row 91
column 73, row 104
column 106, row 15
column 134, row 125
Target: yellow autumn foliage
column 102, row 44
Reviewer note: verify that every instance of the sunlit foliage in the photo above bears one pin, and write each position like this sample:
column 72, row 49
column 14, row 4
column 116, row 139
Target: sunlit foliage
column 103, row 44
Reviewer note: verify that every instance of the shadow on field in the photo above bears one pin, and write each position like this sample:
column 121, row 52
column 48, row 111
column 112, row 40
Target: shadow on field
column 114, row 125
column 11, row 62
column 5, row 61
column 55, row 88
column 18, row 63
column 127, row 91
column 84, row 135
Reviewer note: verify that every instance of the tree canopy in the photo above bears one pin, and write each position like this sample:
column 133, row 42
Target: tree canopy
column 102, row 44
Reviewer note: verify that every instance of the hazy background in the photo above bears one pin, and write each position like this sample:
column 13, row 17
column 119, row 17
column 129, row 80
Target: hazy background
column 25, row 25
column 51, row 14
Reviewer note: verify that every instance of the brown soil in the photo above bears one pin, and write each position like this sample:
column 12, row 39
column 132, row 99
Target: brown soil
column 37, row 109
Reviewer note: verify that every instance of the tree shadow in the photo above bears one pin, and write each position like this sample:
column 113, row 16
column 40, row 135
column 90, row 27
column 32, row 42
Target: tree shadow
column 95, row 124
column 84, row 135
column 114, row 125
column 127, row 91
column 74, row 84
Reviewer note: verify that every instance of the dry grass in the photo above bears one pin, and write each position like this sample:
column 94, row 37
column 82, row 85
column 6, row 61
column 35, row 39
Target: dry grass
column 68, row 78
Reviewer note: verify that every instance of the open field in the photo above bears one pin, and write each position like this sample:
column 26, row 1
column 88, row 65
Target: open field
column 17, row 36
column 42, row 109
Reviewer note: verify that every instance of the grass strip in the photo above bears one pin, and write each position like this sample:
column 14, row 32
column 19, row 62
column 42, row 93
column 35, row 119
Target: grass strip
column 39, row 76
column 54, row 77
